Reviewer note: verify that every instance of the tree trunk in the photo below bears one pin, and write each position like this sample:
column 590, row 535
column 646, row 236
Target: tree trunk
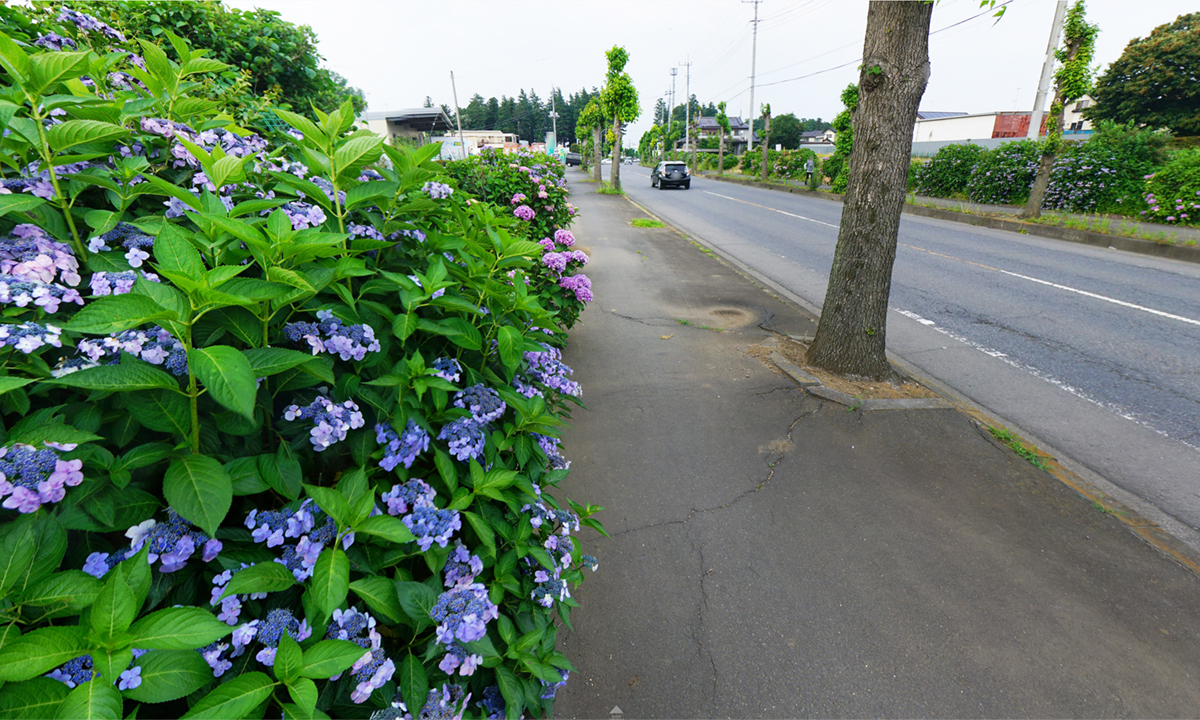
column 692, row 139
column 851, row 335
column 765, row 144
column 598, row 141
column 721, row 153
column 615, row 174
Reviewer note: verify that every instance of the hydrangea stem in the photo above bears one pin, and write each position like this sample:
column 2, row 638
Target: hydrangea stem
column 63, row 204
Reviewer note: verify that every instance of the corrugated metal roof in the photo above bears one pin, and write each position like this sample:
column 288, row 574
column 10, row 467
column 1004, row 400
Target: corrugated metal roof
column 935, row 115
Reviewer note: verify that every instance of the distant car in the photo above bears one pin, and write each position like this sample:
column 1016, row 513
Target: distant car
column 671, row 173
column 573, row 159
column 606, row 161
column 627, row 161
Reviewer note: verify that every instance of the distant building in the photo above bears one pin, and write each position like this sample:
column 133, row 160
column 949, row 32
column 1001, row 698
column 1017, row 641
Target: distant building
column 413, row 124
column 818, row 136
column 475, row 141
column 960, row 126
column 735, row 141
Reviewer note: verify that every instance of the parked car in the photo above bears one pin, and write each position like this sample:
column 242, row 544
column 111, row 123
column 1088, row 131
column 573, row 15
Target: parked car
column 573, row 158
column 606, row 161
column 671, row 173
column 627, row 160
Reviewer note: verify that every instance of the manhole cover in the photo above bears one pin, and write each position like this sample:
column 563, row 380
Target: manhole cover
column 728, row 313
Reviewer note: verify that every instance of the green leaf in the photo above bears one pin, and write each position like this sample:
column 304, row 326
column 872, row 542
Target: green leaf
column 136, row 571
column 73, row 589
column 303, row 124
column 355, row 153
column 418, row 600
column 329, row 657
column 379, row 594
column 145, row 455
column 404, row 325
column 332, row 502
column 79, row 132
column 178, row 628
column 289, row 658
column 265, row 362
column 110, row 663
column 331, row 580
column 263, row 577
column 199, row 489
column 245, row 477
column 303, row 692
column 114, row 609
column 18, row 203
column 511, row 345
column 115, row 313
column 173, row 252
column 169, row 675
column 234, row 699
column 51, row 67
column 40, row 651
column 386, row 527
column 510, row 689
column 458, row 330
column 446, row 468
column 13, row 58
column 34, row 699
column 91, row 701
column 160, row 410
column 19, row 549
column 414, row 685
column 226, row 373
column 486, row 535
column 202, row 65
column 282, row 472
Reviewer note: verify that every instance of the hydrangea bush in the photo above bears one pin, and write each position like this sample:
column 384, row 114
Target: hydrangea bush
column 1173, row 191
column 280, row 415
column 1004, row 174
column 949, row 170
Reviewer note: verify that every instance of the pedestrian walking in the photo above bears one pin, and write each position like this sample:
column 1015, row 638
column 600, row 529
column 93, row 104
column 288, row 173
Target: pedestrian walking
column 808, row 169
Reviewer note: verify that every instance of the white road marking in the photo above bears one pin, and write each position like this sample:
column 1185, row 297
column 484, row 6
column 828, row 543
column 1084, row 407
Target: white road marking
column 764, row 207
column 1041, row 375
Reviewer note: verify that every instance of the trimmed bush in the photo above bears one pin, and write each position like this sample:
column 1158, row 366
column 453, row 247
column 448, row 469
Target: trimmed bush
column 1004, row 175
column 948, row 172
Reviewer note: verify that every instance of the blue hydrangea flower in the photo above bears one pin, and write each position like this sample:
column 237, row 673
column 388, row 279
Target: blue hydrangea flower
column 429, row 525
column 412, row 494
column 173, row 542
column 447, row 368
column 462, row 567
column 547, row 368
column 331, row 421
column 444, row 704
column 329, row 335
column 483, row 403
column 465, row 438
column 401, row 449
column 30, row 336
column 31, row 477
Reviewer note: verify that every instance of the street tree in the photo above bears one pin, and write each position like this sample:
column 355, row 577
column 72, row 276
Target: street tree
column 591, row 122
column 786, row 129
column 619, row 99
column 722, row 129
column 1154, row 82
column 766, row 140
column 838, row 163
column 851, row 334
column 1072, row 81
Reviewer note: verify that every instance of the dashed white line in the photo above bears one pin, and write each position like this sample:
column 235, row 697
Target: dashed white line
column 764, row 207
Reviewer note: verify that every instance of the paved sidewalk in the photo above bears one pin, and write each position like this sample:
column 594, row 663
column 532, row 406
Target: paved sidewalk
column 776, row 555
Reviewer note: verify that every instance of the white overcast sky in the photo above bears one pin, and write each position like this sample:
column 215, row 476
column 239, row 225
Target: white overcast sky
column 400, row 51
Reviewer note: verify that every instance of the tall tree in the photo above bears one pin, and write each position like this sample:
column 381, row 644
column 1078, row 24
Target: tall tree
column 1154, row 82
column 591, row 120
column 851, row 334
column 786, row 129
column 1072, row 81
column 491, row 120
column 722, row 129
column 843, row 145
column 620, row 104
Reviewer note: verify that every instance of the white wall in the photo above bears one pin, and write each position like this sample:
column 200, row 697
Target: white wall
column 961, row 127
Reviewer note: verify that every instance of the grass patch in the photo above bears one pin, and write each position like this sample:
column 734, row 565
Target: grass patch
column 646, row 223
column 607, row 189
column 1018, row 446
column 689, row 323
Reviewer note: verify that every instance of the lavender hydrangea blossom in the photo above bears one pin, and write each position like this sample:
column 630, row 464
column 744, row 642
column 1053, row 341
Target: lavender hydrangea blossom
column 524, row 212
column 412, row 494
column 173, row 542
column 447, row 704
column 580, row 285
column 331, row 420
column 331, row 336
column 465, row 438
column 118, row 283
column 437, row 190
column 547, row 368
column 269, row 631
column 156, row 346
column 31, row 477
column 401, row 448
column 447, row 368
column 54, row 42
column 482, row 402
column 19, row 292
column 429, row 525
column 462, row 567
column 33, row 256
column 28, row 337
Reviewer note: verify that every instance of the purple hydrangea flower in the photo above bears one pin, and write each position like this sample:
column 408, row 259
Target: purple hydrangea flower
column 447, row 368
column 330, row 420
column 483, row 403
column 31, row 477
column 524, row 212
column 429, row 525
column 330, row 335
column 581, row 286
column 465, row 438
column 401, row 448
column 437, row 190
column 28, row 337
column 412, row 494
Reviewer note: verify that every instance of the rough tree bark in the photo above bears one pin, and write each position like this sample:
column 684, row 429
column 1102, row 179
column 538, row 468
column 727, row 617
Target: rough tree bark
column 851, row 335
column 765, row 144
column 615, row 174
column 597, row 139
column 720, row 152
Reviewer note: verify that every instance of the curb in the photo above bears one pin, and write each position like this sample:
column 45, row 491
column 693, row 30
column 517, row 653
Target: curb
column 814, row 387
column 1185, row 253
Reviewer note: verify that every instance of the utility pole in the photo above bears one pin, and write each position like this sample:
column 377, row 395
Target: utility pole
column 671, row 106
column 753, row 59
column 554, row 117
column 1035, row 120
column 687, row 127
column 458, row 116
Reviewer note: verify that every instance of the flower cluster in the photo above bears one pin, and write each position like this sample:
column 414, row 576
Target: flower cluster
column 327, row 188
column 32, row 256
column 557, row 261
column 231, row 606
column 156, row 346
column 117, row 283
column 214, row 655
column 374, row 668
column 412, row 494
column 401, row 448
column 331, row 336
column 547, row 368
column 465, row 438
column 551, row 688
column 303, row 215
column 524, row 212
column 54, row 42
column 549, row 445
column 79, row 670
column 173, row 542
column 428, row 525
column 437, row 190
column 449, row 703
column 30, row 477
column 87, row 23
column 564, row 237
column 482, row 402
column 135, row 242
column 447, row 368
column 462, row 567
column 517, row 198
column 330, row 420
column 269, row 632
column 580, row 285
column 21, row 292
column 28, row 337
column 462, row 614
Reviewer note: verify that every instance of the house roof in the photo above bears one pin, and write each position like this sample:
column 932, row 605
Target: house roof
column 425, row 119
column 815, row 133
column 710, row 124
column 936, row 115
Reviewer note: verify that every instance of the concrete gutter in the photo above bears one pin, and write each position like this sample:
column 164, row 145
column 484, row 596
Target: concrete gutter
column 1186, row 253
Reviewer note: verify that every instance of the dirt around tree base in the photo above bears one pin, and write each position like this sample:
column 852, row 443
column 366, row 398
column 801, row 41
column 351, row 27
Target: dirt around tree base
column 854, row 386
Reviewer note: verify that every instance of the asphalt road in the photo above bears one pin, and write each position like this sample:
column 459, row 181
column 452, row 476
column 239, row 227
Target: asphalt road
column 1089, row 352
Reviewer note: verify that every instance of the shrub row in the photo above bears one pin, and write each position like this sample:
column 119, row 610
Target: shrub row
column 280, row 415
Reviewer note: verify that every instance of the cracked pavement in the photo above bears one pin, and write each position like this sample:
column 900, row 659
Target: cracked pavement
column 775, row 555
